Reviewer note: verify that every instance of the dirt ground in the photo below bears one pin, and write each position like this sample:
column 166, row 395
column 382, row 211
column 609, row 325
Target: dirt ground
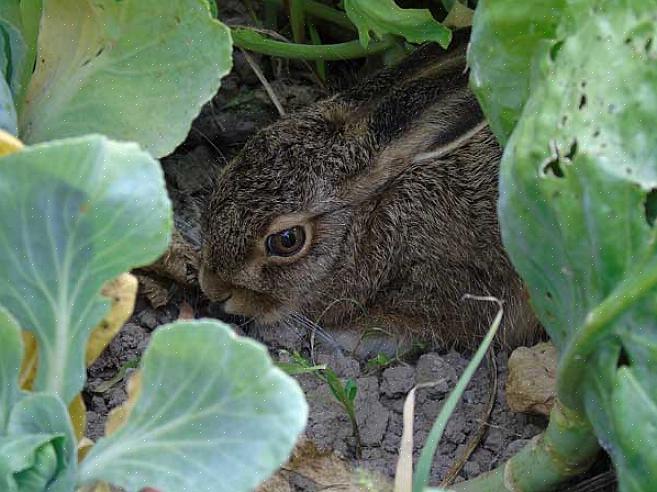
column 242, row 106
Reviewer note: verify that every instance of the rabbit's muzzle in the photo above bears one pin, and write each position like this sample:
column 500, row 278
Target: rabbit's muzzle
column 238, row 300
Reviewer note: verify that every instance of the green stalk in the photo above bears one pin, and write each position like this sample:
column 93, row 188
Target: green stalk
column 316, row 40
column 323, row 12
column 585, row 341
column 250, row 39
column 567, row 448
column 297, row 20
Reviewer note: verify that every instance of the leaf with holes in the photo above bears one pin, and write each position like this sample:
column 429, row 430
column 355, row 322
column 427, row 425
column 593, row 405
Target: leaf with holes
column 577, row 218
column 383, row 17
column 136, row 70
column 505, row 37
column 228, row 417
column 75, row 213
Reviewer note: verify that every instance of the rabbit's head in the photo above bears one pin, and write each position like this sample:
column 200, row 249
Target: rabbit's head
column 275, row 223
column 312, row 210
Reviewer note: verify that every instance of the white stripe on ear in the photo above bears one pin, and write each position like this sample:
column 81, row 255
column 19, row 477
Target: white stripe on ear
column 451, row 146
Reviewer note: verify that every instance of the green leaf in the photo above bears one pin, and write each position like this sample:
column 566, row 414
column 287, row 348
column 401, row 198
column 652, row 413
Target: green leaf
column 350, row 389
column 505, row 36
column 31, row 17
column 43, row 469
column 18, row 454
column 213, row 409
column 458, row 16
column 136, row 70
column 53, row 464
column 11, row 354
column 7, row 109
column 576, row 177
column 13, row 54
column 75, row 213
column 212, row 4
column 383, row 17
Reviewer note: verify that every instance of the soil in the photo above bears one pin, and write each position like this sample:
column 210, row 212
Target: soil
column 240, row 107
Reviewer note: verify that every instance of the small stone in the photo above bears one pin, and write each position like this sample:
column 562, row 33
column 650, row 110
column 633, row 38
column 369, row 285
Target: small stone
column 531, row 430
column 532, row 381
column 397, row 380
column 470, row 396
column 471, row 469
column 494, row 440
column 454, row 431
column 432, row 368
column 394, row 404
column 513, row 448
column 148, row 319
column 371, row 415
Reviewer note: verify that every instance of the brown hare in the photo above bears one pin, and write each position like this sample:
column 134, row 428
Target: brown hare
column 374, row 209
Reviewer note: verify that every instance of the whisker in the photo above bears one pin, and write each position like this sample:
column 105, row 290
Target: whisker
column 316, row 329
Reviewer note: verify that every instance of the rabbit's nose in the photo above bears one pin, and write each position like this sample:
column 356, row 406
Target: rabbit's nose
column 213, row 286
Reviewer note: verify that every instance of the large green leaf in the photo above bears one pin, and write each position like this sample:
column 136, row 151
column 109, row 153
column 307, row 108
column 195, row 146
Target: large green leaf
column 11, row 354
column 576, row 209
column 136, row 70
column 213, row 409
column 383, row 17
column 505, row 36
column 74, row 213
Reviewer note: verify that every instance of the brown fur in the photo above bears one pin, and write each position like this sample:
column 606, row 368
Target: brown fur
column 402, row 219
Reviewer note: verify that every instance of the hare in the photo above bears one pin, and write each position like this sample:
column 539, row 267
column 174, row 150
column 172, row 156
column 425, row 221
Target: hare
column 374, row 209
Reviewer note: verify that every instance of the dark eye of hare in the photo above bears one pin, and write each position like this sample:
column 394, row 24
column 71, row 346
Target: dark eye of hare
column 287, row 242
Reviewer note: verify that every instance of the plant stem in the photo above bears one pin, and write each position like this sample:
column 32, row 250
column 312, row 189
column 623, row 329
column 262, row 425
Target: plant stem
column 584, row 342
column 250, row 39
column 320, row 65
column 321, row 11
column 297, row 20
column 567, row 448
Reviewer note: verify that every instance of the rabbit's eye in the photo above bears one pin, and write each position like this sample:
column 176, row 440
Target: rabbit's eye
column 287, row 242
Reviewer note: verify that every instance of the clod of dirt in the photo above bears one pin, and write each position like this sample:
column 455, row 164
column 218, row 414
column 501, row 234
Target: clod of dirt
column 532, row 383
column 312, row 470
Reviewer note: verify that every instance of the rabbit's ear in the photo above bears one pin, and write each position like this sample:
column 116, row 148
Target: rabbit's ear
column 419, row 120
column 425, row 59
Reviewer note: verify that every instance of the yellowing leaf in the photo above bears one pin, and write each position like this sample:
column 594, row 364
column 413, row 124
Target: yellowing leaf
column 78, row 413
column 84, row 446
column 8, row 143
column 29, row 362
column 122, row 291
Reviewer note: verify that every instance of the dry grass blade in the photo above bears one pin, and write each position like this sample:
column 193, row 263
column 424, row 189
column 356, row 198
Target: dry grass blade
column 404, row 471
column 265, row 83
